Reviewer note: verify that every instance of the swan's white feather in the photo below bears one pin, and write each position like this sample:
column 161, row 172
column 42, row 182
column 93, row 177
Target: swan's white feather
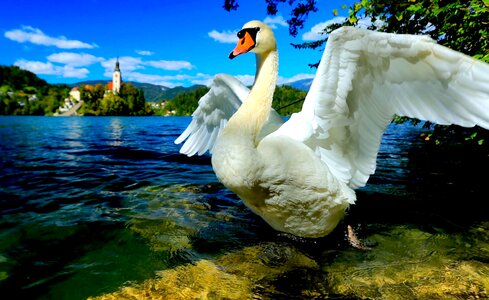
column 223, row 99
column 215, row 108
column 365, row 78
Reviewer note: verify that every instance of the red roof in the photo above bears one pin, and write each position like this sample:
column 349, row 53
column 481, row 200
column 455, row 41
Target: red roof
column 109, row 85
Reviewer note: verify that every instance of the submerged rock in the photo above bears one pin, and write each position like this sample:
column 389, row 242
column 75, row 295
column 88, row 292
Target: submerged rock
column 237, row 275
column 412, row 264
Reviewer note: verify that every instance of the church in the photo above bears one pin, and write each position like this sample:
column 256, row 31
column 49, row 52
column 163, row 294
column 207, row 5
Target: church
column 115, row 85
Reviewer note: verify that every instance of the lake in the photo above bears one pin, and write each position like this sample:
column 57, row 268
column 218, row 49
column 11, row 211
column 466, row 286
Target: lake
column 106, row 208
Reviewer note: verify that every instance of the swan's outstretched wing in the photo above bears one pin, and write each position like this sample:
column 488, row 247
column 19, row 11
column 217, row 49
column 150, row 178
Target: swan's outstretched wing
column 215, row 108
column 366, row 77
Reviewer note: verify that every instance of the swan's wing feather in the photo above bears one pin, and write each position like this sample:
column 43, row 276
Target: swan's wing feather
column 216, row 107
column 366, row 77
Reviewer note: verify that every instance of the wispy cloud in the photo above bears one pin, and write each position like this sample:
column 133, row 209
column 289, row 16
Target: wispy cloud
column 28, row 34
column 127, row 64
column 283, row 80
column 317, row 31
column 74, row 59
column 144, row 52
column 136, row 69
column 167, row 80
column 246, row 79
column 367, row 22
column 227, row 37
column 47, row 68
column 274, row 21
column 171, row 65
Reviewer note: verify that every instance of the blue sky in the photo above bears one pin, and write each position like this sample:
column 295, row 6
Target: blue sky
column 167, row 42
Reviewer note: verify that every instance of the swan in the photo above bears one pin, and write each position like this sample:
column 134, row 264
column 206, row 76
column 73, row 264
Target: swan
column 300, row 175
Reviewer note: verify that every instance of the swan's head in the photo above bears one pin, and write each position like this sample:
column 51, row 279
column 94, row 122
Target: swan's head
column 255, row 36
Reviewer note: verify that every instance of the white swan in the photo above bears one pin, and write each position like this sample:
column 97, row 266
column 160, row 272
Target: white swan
column 299, row 175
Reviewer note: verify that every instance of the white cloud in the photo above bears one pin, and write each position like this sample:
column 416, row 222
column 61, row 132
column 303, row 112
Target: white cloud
column 247, row 80
column 203, row 80
column 148, row 78
column 227, row 37
column 167, row 80
column 74, row 59
column 37, row 67
column 144, row 52
column 274, row 21
column 171, row 65
column 366, row 22
column 36, row 36
column 131, row 66
column 282, row 80
column 127, row 64
column 316, row 32
column 49, row 69
column 72, row 72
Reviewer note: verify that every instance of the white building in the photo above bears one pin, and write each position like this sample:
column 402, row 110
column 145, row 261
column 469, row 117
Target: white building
column 75, row 93
column 116, row 78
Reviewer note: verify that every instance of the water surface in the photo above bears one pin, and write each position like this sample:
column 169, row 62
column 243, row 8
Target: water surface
column 105, row 206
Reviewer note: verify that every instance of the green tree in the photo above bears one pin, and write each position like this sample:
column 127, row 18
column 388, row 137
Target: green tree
column 288, row 100
column 99, row 91
column 140, row 104
column 185, row 103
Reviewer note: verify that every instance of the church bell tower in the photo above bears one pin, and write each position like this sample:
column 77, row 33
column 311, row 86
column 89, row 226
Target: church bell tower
column 116, row 78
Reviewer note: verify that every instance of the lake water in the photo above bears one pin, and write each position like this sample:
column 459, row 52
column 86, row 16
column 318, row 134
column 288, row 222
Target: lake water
column 106, row 207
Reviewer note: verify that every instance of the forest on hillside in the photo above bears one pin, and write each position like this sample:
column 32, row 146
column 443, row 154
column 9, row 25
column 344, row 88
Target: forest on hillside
column 23, row 93
column 286, row 100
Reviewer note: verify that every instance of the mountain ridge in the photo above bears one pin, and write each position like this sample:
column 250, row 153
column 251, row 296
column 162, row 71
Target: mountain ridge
column 155, row 92
column 152, row 92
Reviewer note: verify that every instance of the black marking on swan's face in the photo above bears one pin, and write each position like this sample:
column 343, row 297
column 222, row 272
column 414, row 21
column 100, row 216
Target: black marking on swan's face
column 247, row 41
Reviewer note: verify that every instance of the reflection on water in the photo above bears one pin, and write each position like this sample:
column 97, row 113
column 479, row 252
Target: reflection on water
column 106, row 208
column 115, row 130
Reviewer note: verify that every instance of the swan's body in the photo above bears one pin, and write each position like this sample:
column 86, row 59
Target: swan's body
column 299, row 176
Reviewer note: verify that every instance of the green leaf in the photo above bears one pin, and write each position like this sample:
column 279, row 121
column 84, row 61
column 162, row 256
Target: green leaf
column 352, row 20
column 399, row 16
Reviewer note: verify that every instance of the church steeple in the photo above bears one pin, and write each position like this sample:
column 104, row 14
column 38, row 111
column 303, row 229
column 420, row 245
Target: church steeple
column 116, row 78
column 117, row 66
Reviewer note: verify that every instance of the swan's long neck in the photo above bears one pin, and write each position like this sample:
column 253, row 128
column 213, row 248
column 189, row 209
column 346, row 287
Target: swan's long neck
column 254, row 112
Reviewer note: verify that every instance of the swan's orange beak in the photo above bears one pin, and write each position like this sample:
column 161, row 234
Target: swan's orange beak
column 245, row 44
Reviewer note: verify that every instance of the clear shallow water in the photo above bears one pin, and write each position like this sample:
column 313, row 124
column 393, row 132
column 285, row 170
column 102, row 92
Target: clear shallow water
column 107, row 207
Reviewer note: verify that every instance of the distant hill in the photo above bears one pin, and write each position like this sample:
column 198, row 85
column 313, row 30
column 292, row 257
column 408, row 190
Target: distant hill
column 152, row 92
column 173, row 92
column 155, row 93
column 303, row 84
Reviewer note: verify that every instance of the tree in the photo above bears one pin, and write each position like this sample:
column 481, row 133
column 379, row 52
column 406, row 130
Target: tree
column 298, row 15
column 457, row 24
column 288, row 100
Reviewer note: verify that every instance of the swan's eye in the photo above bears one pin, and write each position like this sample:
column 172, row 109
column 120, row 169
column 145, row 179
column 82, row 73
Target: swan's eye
column 241, row 33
